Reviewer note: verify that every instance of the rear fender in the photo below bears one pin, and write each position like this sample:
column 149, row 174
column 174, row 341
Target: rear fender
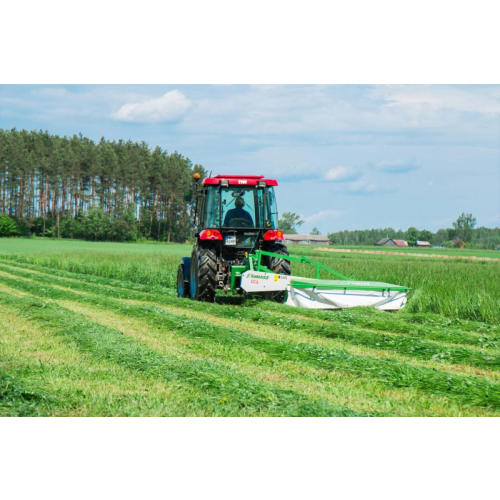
column 187, row 267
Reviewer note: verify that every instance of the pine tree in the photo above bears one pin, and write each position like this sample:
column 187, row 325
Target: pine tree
column 49, row 184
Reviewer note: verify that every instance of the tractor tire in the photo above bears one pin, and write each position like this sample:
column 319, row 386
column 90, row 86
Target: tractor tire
column 203, row 275
column 278, row 266
column 182, row 284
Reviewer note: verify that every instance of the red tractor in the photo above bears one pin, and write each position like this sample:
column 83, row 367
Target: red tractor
column 235, row 216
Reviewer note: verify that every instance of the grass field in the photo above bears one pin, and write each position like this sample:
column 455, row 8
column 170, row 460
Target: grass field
column 453, row 252
column 94, row 329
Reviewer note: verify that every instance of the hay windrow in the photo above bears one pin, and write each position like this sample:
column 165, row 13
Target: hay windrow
column 106, row 334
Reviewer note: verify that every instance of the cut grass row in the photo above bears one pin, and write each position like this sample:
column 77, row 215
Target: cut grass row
column 356, row 362
column 75, row 383
column 362, row 393
column 413, row 345
column 16, row 399
column 240, row 394
column 456, row 289
column 97, row 387
column 422, row 325
column 393, row 373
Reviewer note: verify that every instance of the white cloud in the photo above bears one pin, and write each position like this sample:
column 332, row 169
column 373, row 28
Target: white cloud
column 321, row 216
column 398, row 166
column 342, row 174
column 294, row 133
column 484, row 100
column 170, row 107
column 363, row 187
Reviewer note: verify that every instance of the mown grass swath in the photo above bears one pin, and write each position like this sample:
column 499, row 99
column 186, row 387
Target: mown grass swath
column 469, row 390
column 16, row 400
column 221, row 382
column 346, row 322
column 414, row 346
column 246, row 356
column 455, row 289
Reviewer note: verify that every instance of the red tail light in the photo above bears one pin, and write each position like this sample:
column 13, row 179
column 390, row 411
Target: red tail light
column 274, row 235
column 210, row 234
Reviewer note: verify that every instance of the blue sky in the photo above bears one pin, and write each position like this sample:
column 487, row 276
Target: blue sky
column 346, row 157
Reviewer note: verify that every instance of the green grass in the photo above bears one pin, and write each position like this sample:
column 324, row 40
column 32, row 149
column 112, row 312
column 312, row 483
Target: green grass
column 96, row 329
column 454, row 252
column 455, row 288
column 54, row 246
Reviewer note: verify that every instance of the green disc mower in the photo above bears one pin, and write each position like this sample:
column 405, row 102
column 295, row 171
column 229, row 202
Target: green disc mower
column 239, row 249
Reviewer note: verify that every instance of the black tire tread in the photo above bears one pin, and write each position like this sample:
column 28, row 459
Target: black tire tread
column 207, row 273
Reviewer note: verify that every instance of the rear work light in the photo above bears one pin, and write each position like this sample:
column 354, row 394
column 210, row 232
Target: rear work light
column 274, row 235
column 210, row 234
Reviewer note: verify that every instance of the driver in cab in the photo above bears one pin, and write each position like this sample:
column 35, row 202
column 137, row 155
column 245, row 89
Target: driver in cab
column 237, row 213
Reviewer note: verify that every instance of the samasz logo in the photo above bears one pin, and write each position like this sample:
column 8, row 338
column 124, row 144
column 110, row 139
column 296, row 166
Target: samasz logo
column 242, row 182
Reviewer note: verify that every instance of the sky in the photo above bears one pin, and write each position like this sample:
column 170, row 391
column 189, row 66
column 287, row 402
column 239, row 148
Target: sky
column 345, row 156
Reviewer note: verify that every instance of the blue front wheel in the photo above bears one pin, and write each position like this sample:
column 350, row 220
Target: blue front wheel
column 182, row 284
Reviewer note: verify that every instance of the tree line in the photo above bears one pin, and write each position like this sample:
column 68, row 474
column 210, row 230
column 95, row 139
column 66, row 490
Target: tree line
column 73, row 187
column 464, row 228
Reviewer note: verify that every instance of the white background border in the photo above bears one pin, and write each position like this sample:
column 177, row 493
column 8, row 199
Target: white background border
column 388, row 41
column 243, row 42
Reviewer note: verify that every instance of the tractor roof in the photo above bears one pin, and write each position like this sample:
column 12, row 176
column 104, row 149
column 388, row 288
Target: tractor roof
column 239, row 180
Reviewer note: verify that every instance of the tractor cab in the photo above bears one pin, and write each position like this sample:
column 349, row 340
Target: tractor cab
column 235, row 215
column 240, row 209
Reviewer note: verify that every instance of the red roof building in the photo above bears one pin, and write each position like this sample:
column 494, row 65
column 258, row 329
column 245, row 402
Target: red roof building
column 401, row 243
column 389, row 242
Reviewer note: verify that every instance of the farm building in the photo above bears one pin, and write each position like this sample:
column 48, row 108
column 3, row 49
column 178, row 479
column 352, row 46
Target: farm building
column 422, row 244
column 307, row 239
column 458, row 243
column 389, row 242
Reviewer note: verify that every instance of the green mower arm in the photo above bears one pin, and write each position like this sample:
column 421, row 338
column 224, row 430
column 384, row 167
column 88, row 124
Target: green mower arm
column 302, row 260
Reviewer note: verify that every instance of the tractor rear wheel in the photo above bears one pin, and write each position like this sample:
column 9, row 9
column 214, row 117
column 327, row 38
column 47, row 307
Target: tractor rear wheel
column 277, row 266
column 203, row 276
column 182, row 284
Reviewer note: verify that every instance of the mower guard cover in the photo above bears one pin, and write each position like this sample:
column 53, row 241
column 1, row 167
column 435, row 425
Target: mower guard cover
column 321, row 294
